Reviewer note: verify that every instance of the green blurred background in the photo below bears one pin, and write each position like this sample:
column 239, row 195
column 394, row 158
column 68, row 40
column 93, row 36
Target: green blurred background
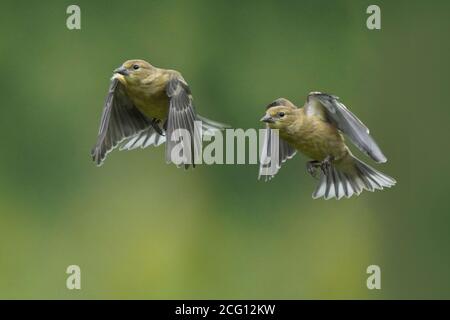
column 139, row 228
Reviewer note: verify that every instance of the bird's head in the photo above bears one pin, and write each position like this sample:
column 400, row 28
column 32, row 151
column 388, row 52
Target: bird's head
column 280, row 114
column 133, row 71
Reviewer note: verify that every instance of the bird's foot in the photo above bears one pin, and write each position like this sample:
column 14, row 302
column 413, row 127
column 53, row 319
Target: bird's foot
column 155, row 125
column 325, row 165
column 311, row 167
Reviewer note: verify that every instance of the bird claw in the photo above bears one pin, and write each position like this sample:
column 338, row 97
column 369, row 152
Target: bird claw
column 311, row 167
column 325, row 165
column 155, row 126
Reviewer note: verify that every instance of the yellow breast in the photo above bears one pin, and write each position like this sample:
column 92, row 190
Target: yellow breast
column 153, row 105
column 150, row 97
column 317, row 139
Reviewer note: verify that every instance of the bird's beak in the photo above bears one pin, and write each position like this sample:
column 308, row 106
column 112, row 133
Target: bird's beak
column 267, row 118
column 122, row 70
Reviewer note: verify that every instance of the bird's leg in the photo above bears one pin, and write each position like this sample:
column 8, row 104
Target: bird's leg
column 326, row 164
column 155, row 125
column 311, row 167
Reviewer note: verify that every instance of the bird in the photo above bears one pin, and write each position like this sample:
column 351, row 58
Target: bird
column 318, row 130
column 145, row 106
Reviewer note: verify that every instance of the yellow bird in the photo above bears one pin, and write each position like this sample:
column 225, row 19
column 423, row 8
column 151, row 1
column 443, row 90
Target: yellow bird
column 317, row 130
column 147, row 106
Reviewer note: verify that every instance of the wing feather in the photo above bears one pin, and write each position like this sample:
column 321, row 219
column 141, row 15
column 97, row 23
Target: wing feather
column 338, row 114
column 120, row 120
column 181, row 116
column 269, row 149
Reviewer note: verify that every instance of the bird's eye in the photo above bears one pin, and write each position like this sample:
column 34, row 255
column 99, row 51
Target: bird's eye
column 281, row 114
column 135, row 67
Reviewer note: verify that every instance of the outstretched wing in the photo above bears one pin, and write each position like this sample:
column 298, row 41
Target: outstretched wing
column 275, row 152
column 181, row 130
column 120, row 120
column 338, row 114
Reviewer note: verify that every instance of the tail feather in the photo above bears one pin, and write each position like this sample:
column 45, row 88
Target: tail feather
column 344, row 183
column 348, row 177
column 149, row 137
column 144, row 139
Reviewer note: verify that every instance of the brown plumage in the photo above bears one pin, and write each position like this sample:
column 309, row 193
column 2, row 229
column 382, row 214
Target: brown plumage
column 147, row 106
column 317, row 130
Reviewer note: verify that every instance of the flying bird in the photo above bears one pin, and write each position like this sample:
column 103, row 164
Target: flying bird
column 146, row 106
column 317, row 130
